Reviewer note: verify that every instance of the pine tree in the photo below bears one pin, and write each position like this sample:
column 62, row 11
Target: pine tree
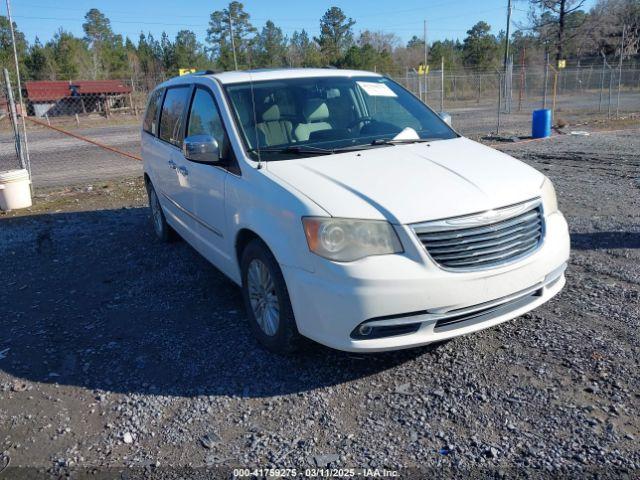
column 270, row 46
column 336, row 35
column 221, row 23
column 100, row 38
column 303, row 51
column 480, row 47
column 39, row 64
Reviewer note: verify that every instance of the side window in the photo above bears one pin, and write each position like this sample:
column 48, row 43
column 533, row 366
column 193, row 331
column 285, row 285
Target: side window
column 149, row 123
column 171, row 117
column 204, row 118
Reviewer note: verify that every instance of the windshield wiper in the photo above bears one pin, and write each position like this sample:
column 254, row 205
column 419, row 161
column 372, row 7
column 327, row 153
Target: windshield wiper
column 399, row 141
column 294, row 149
column 378, row 142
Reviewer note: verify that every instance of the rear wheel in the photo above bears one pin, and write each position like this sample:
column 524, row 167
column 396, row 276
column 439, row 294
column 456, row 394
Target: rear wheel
column 267, row 300
column 163, row 230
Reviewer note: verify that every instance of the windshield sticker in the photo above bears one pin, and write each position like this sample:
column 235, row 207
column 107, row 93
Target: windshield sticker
column 376, row 89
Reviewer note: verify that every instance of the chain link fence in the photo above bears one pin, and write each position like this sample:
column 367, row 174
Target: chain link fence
column 482, row 103
column 79, row 131
column 88, row 131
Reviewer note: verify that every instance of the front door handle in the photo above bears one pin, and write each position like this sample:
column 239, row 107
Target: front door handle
column 172, row 164
column 183, row 171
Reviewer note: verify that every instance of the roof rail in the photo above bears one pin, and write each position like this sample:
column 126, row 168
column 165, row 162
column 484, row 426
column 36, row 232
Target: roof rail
column 205, row 72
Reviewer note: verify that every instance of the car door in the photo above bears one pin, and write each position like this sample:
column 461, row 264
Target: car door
column 172, row 178
column 207, row 181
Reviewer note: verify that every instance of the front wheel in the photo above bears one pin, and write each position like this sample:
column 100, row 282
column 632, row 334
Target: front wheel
column 267, row 301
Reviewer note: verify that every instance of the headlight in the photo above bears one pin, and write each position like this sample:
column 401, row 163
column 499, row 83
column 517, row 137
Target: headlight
column 346, row 240
column 549, row 200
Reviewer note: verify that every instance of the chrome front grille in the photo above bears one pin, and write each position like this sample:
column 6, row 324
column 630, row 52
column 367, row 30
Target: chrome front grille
column 486, row 239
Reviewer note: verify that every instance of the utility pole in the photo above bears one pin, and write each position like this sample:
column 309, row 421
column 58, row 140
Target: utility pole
column 506, row 47
column 233, row 44
column 19, row 85
column 506, row 40
column 426, row 58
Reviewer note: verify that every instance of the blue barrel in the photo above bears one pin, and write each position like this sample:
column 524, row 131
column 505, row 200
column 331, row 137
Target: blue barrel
column 541, row 123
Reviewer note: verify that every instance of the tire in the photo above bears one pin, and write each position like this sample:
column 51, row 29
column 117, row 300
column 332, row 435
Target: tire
column 278, row 335
column 160, row 226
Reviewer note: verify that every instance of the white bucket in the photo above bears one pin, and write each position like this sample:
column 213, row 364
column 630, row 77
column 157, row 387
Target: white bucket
column 14, row 190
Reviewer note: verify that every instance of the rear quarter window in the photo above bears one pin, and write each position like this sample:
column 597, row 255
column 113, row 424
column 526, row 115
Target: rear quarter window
column 149, row 123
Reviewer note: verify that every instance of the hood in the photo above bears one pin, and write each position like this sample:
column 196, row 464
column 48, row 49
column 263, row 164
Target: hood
column 412, row 183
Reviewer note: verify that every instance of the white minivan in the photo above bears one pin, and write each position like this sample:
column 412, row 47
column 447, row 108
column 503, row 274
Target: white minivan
column 347, row 210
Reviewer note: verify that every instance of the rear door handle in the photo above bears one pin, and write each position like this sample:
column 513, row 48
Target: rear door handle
column 183, row 171
column 172, row 164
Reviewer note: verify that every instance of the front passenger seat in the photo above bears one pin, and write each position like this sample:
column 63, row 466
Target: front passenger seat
column 276, row 130
column 316, row 114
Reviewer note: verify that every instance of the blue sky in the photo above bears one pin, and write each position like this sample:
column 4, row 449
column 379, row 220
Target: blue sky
column 446, row 19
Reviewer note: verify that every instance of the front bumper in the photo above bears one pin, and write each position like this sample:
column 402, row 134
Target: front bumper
column 395, row 289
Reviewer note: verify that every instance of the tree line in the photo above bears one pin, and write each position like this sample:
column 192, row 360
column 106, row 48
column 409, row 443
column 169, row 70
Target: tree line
column 560, row 28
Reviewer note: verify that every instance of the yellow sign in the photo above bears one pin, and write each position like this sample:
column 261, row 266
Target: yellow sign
column 185, row 71
column 562, row 64
column 422, row 70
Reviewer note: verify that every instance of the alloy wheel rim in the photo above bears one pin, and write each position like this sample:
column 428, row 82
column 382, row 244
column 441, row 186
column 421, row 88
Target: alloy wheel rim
column 263, row 297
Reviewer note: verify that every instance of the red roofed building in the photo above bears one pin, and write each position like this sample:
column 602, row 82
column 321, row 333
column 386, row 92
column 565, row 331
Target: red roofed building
column 82, row 96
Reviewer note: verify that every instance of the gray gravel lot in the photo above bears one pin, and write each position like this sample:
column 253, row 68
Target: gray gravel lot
column 117, row 350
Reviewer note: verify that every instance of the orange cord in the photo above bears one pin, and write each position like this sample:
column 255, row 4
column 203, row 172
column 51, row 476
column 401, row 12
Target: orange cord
column 85, row 139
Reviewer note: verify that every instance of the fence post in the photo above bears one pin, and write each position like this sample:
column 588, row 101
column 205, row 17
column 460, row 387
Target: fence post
column 14, row 119
column 546, row 77
column 508, row 85
column 521, row 89
column 455, row 89
column 610, row 91
column 624, row 28
column 23, row 110
column 555, row 93
column 442, row 84
column 406, row 77
column 499, row 101
column 604, row 66
column 479, row 87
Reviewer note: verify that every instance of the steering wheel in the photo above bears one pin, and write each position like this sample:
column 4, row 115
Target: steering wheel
column 361, row 120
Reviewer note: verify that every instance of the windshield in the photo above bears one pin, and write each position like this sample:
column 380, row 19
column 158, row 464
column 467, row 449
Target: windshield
column 324, row 115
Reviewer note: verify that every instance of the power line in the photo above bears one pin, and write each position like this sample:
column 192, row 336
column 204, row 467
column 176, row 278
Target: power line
column 300, row 19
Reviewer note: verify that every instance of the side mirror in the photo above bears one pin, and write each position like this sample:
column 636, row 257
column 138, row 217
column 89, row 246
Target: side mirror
column 201, row 148
column 446, row 117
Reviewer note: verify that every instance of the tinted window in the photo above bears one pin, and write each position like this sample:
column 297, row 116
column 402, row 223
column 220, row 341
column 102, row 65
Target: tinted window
column 205, row 118
column 171, row 118
column 149, row 123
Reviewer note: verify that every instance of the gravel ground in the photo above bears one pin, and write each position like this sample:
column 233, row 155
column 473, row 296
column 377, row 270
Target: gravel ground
column 118, row 351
